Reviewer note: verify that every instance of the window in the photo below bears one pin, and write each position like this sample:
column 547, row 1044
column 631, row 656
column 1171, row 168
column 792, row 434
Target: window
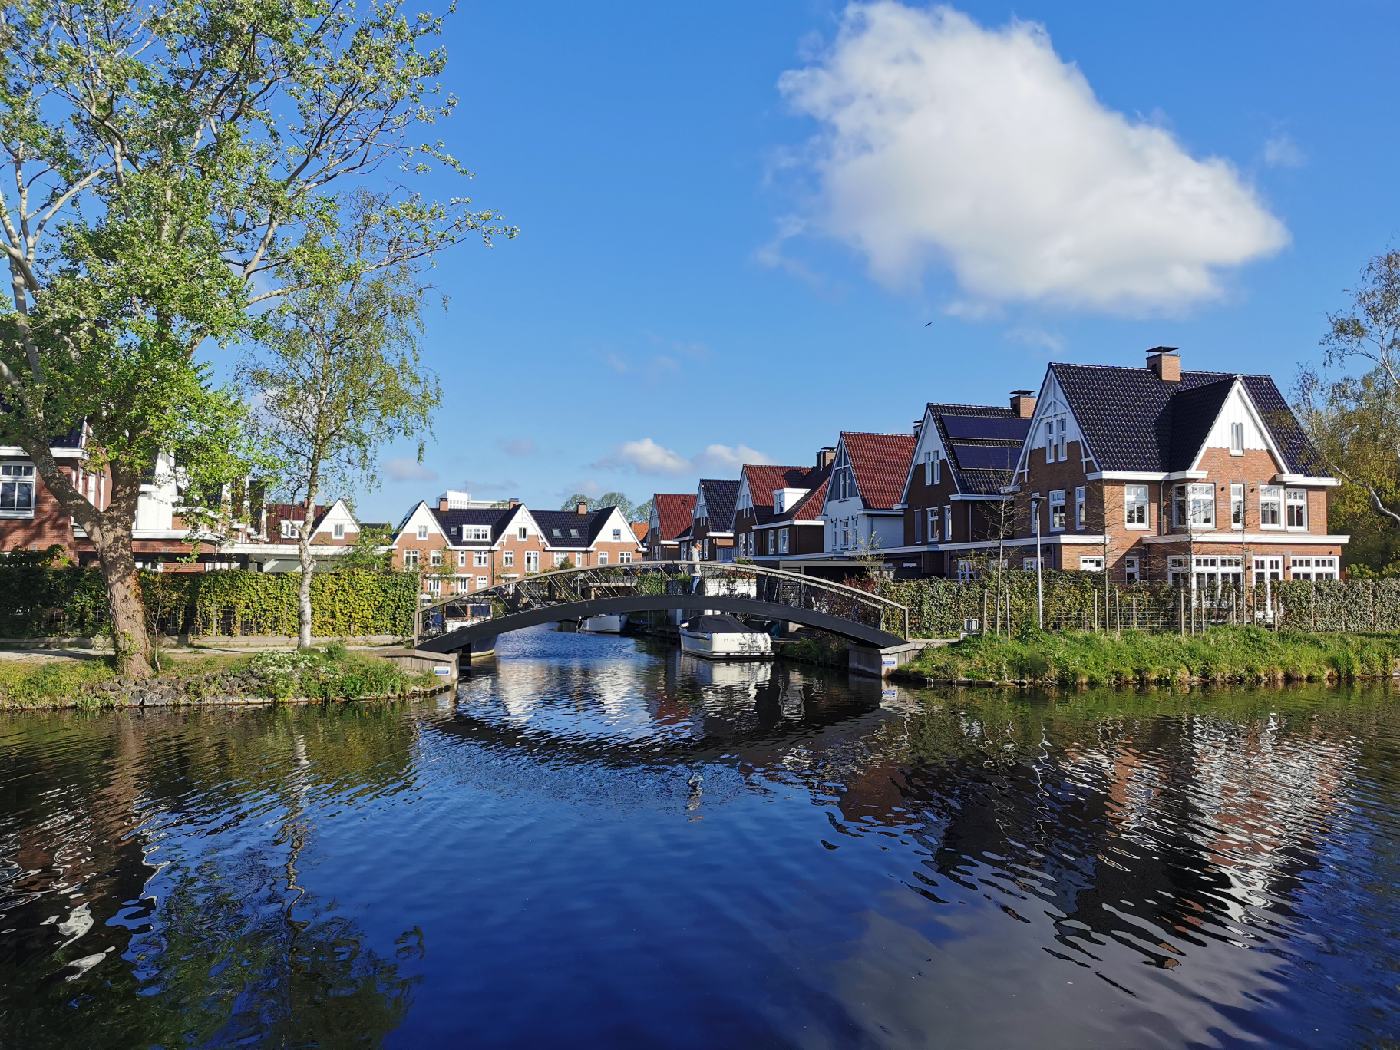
column 410, row 560
column 435, row 559
column 559, row 559
column 617, row 534
column 291, row 530
column 1268, row 568
column 481, row 583
column 1061, row 426
column 1030, row 563
column 461, row 559
column 523, row 532
column 481, row 559
column 1237, row 439
column 1193, row 506
column 1079, row 507
column 782, row 541
column 1091, row 564
column 948, row 524
column 532, row 561
column 338, row 530
column 508, row 559
column 1132, row 571
column 918, row 527
column 1135, row 506
column 462, row 584
column 434, row 585
column 625, row 558
column 1236, row 505
column 1176, row 569
column 937, row 468
column 603, row 555
column 931, row 517
column 1214, row 573
column 1057, row 510
column 1312, row 568
column 1296, row 508
column 1049, row 441
column 476, row 532
column 967, row 572
column 422, row 532
column 771, row 541
column 1271, row 506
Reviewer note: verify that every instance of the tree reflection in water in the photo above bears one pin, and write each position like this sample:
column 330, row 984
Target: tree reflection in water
column 153, row 893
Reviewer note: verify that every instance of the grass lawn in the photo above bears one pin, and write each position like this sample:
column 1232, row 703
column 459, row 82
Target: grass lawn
column 1220, row 655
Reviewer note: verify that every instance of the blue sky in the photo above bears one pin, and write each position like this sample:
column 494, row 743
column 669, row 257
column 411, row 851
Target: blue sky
column 718, row 263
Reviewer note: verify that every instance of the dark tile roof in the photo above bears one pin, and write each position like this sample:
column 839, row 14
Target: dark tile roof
column 673, row 512
column 983, row 443
column 494, row 518
column 880, row 463
column 568, row 528
column 1134, row 421
column 720, row 497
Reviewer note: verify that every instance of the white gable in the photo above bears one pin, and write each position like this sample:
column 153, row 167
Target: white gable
column 1051, row 410
column 339, row 514
column 1239, row 409
column 421, row 515
column 744, row 501
column 618, row 521
column 927, row 448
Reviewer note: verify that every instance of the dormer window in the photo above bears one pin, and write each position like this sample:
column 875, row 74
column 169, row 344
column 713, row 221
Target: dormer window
column 291, row 530
column 1237, row 439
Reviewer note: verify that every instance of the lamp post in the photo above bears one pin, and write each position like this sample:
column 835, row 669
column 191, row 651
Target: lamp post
column 1039, row 571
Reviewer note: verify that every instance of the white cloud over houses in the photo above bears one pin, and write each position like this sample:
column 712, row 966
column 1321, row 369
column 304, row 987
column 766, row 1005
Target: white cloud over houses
column 403, row 468
column 647, row 456
column 946, row 142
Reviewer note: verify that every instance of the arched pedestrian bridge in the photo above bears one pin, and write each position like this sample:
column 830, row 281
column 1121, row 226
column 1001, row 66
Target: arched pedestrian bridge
column 658, row 586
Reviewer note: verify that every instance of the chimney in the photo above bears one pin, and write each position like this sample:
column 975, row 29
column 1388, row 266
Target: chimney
column 1023, row 403
column 1165, row 363
column 918, row 425
column 512, row 503
column 582, row 507
column 826, row 455
column 444, row 503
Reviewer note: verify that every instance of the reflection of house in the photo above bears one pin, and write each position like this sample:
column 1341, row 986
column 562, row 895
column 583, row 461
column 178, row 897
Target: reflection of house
column 1158, row 474
column 955, row 490
column 461, row 546
column 778, row 510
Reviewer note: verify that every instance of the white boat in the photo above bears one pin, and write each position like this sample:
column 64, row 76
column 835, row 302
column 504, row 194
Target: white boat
column 721, row 637
column 606, row 623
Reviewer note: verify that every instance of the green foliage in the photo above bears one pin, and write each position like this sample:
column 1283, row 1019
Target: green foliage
column 25, row 683
column 331, row 673
column 71, row 602
column 1220, row 655
column 607, row 499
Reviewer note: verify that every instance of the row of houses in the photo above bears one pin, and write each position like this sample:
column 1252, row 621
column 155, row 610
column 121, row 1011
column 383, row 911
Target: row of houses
column 1149, row 473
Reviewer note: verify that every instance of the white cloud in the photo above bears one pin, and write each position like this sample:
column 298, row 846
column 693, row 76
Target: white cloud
column 646, row 456
column 1036, row 338
column 1280, row 151
column 403, row 468
column 945, row 141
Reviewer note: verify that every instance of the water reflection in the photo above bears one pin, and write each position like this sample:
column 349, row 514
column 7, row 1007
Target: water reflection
column 603, row 842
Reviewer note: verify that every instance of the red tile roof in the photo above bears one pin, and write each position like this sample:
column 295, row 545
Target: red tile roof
column 809, row 507
column 880, row 463
column 639, row 529
column 673, row 511
column 765, row 478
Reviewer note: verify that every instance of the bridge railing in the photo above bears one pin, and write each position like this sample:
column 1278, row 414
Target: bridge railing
column 774, row 586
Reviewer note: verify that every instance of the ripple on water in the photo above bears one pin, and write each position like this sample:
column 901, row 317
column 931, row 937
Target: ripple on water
column 603, row 841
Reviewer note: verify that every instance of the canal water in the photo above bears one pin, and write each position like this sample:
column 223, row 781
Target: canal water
column 601, row 843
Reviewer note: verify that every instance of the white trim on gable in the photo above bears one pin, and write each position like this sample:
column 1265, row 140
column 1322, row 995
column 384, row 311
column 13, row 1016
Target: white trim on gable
column 1239, row 407
column 337, row 514
column 420, row 515
column 1051, row 403
column 929, row 441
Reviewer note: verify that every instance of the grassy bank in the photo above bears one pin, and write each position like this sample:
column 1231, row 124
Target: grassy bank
column 332, row 673
column 1221, row 655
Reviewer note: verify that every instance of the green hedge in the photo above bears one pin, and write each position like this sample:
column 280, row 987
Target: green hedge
column 40, row 602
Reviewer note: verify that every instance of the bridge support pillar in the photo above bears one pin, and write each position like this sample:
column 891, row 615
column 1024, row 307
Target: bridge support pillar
column 881, row 663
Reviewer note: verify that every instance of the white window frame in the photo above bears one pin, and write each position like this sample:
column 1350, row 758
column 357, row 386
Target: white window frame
column 966, row 571
column 1268, row 568
column 559, row 557
column 461, row 559
column 1049, row 429
column 947, row 524
column 422, row 532
column 17, row 478
column 435, row 559
column 1177, row 569
column 1091, row 563
column 481, row 583
column 1313, row 567
column 290, row 530
column 508, row 559
column 625, row 557
column 1061, row 439
column 1188, row 497
column 338, row 530
column 782, row 541
column 410, row 559
column 1057, row 502
column 603, row 556
column 1030, row 564
column 932, row 522
column 1079, row 502
column 1132, row 569
column 1137, row 501
column 1271, row 495
column 1293, row 498
column 434, row 585
column 1237, row 439
column 532, row 561
column 481, row 559
column 1237, row 505
column 937, row 469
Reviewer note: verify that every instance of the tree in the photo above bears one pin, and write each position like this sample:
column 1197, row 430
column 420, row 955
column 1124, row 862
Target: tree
column 169, row 161
column 1353, row 417
column 342, row 376
column 607, row 499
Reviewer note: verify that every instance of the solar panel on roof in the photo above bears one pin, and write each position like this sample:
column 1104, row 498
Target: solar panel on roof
column 987, row 457
column 1001, row 428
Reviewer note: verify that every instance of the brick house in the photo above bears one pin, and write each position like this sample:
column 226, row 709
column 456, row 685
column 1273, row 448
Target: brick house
column 462, row 546
column 712, row 521
column 955, row 496
column 775, row 515
column 163, row 539
column 272, row 544
column 1156, row 473
column 861, row 503
column 671, row 513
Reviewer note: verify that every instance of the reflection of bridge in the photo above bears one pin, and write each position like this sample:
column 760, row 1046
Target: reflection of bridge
column 656, row 586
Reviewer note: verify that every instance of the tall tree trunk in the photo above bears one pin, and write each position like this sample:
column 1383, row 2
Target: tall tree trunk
column 308, row 563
